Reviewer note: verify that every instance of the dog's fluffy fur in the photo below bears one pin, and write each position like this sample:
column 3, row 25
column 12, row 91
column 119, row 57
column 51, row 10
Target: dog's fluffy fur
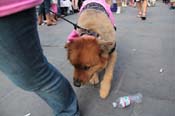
column 90, row 55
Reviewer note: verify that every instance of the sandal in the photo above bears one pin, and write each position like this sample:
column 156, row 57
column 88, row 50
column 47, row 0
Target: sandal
column 143, row 17
column 50, row 23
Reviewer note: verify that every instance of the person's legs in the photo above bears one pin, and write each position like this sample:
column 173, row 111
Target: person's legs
column 144, row 8
column 75, row 6
column 124, row 3
column 80, row 2
column 22, row 60
column 59, row 8
column 119, row 6
column 139, row 7
column 172, row 7
column 109, row 2
column 131, row 3
column 40, row 13
column 49, row 19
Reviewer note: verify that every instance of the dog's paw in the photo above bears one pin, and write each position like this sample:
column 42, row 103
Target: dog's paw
column 104, row 89
column 94, row 80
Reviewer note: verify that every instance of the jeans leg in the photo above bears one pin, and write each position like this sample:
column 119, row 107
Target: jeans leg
column 41, row 9
column 47, row 5
column 59, row 7
column 22, row 60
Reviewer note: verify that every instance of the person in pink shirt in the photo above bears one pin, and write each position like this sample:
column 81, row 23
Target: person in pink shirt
column 23, row 62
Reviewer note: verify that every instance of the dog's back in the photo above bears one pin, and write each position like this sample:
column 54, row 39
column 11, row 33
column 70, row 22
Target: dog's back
column 98, row 21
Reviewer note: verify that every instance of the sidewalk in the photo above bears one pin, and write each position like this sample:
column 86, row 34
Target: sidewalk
column 144, row 47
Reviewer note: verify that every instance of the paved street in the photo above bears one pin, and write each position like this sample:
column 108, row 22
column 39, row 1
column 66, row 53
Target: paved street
column 144, row 48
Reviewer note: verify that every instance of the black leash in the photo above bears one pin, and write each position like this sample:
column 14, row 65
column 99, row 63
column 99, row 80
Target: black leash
column 85, row 31
column 74, row 24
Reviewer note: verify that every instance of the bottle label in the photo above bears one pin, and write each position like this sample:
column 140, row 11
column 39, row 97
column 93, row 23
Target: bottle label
column 125, row 101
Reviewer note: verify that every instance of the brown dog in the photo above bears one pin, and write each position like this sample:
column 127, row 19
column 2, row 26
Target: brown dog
column 90, row 54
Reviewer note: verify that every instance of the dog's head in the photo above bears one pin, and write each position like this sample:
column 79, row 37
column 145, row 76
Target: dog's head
column 85, row 53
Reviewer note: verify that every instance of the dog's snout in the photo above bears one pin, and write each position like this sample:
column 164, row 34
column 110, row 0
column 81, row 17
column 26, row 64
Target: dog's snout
column 77, row 83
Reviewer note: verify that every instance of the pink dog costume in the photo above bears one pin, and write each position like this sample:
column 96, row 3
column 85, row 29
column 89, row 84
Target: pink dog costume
column 103, row 3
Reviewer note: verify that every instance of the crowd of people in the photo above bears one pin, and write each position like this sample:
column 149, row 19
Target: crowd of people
column 68, row 7
column 60, row 7
column 171, row 3
column 141, row 6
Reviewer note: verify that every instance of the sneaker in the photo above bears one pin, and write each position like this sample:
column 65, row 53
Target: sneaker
column 118, row 10
column 124, row 4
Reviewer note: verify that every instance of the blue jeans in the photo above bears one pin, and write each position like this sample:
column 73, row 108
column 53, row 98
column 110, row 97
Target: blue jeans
column 44, row 7
column 22, row 60
column 59, row 8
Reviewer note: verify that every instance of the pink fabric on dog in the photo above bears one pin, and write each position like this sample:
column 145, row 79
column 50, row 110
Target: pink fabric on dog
column 104, row 4
column 72, row 36
column 8, row 7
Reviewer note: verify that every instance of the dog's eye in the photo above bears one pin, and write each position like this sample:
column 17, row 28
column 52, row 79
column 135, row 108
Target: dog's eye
column 86, row 67
column 82, row 67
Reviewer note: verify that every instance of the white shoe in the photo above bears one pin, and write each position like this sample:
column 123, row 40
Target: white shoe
column 118, row 10
column 124, row 4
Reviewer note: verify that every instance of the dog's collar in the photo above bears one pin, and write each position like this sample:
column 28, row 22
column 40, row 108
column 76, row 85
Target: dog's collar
column 89, row 32
column 96, row 35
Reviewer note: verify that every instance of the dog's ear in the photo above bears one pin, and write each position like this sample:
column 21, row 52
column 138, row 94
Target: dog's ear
column 103, row 54
column 104, row 47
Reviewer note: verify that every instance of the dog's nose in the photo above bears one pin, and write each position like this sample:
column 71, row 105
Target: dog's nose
column 77, row 83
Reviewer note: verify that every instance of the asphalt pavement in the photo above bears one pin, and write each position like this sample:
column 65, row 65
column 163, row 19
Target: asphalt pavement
column 145, row 64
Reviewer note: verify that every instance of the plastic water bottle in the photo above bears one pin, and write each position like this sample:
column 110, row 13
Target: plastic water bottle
column 125, row 101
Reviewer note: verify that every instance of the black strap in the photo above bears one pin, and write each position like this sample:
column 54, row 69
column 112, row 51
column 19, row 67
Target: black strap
column 113, row 49
column 89, row 32
column 115, row 28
